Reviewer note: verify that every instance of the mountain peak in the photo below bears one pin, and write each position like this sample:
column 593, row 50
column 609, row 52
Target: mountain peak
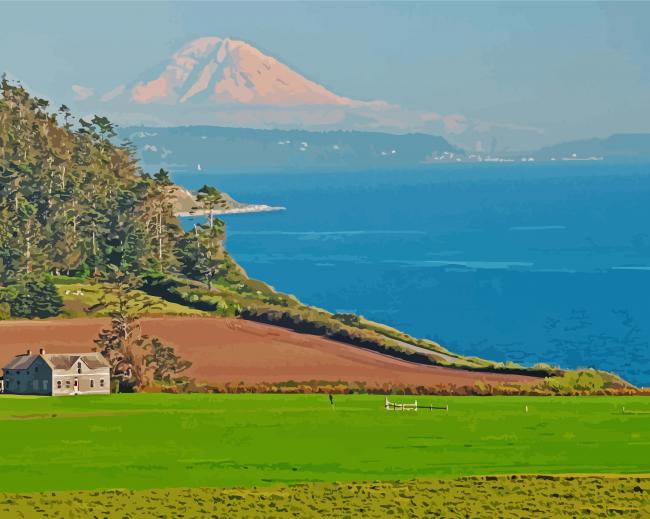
column 227, row 71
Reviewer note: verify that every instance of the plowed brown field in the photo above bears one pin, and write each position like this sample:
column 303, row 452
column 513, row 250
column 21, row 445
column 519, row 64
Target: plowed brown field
column 231, row 350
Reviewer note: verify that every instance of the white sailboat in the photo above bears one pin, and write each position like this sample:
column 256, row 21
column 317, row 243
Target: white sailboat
column 198, row 167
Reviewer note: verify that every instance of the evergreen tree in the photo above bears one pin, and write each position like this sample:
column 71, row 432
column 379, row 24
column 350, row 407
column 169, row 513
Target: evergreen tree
column 46, row 299
column 73, row 202
column 70, row 199
column 201, row 252
column 210, row 199
column 35, row 297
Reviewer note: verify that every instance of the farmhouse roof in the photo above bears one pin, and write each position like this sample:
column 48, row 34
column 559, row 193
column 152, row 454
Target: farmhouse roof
column 21, row 362
column 59, row 361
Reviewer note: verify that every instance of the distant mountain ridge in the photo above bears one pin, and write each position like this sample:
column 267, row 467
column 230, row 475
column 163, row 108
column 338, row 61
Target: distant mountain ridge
column 626, row 146
column 242, row 149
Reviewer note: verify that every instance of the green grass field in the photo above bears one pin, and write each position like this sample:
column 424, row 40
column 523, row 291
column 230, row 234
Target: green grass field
column 80, row 298
column 142, row 441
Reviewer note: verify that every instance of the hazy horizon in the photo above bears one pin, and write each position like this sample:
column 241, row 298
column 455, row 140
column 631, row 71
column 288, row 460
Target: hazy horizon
column 500, row 75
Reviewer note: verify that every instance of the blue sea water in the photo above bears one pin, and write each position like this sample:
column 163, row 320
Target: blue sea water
column 522, row 262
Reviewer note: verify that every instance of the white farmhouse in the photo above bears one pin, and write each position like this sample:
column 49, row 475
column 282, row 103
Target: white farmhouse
column 57, row 374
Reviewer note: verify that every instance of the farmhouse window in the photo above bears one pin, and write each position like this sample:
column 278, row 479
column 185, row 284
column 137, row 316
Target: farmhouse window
column 101, row 382
column 78, row 367
column 92, row 383
column 58, row 384
column 67, row 383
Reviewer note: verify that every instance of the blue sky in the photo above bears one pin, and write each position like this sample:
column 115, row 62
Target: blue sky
column 570, row 69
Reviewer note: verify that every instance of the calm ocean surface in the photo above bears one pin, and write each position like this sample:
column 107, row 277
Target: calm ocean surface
column 522, row 262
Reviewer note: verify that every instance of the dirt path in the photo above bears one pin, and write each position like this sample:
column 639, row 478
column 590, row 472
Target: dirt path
column 232, row 350
column 435, row 354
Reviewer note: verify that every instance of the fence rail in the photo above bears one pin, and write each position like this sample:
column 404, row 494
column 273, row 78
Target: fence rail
column 392, row 406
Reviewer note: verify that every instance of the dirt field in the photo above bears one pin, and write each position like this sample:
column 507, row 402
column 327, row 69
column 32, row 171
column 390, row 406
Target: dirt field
column 230, row 350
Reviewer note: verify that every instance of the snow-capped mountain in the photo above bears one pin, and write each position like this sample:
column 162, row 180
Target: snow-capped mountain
column 218, row 72
column 226, row 82
column 231, row 71
column 222, row 81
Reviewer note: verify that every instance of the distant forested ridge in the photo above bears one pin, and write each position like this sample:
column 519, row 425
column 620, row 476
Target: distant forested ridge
column 620, row 146
column 74, row 203
column 245, row 149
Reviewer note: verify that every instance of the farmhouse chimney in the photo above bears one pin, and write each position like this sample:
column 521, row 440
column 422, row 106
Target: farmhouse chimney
column 42, row 351
column 29, row 352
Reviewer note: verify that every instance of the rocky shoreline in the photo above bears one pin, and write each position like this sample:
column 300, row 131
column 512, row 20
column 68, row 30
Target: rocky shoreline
column 251, row 208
